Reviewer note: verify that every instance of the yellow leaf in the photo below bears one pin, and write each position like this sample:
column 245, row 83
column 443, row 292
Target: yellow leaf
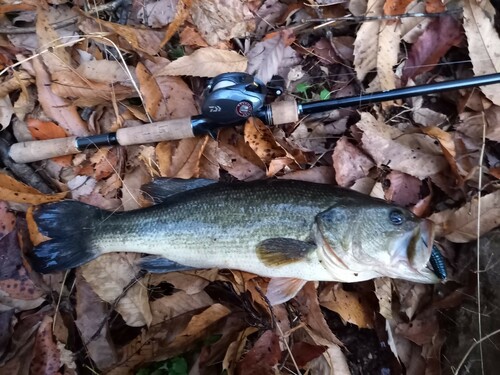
column 349, row 305
column 14, row 191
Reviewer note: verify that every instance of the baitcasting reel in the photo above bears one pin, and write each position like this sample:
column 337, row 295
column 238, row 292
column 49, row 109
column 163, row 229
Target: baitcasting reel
column 233, row 97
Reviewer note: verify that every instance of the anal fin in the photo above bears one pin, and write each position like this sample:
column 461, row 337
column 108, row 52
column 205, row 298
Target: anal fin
column 283, row 289
column 156, row 264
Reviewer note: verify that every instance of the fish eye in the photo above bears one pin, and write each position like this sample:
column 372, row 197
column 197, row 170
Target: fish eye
column 396, row 217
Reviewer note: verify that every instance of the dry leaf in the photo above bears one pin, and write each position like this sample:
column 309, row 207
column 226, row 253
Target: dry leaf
column 128, row 37
column 320, row 175
column 439, row 36
column 349, row 305
column 265, row 57
column 90, row 312
column 350, row 163
column 154, row 102
column 401, row 189
column 57, row 108
column 158, row 13
column 105, row 71
column 414, row 154
column 46, row 356
column 108, row 275
column 182, row 158
column 368, row 50
column 206, row 62
column 383, row 291
column 6, row 112
column 264, row 355
column 15, row 191
column 190, row 37
column 395, row 7
column 7, row 220
column 182, row 12
column 483, row 42
column 260, row 138
column 179, row 303
column 461, row 225
column 235, row 156
column 222, row 20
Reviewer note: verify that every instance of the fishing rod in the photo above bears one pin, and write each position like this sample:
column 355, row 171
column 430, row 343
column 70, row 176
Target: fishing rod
column 229, row 100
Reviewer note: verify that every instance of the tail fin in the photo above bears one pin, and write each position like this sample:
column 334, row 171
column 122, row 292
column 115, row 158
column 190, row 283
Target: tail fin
column 69, row 224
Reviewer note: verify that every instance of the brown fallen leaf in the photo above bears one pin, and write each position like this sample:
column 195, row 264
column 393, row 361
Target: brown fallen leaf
column 205, row 62
column 221, row 20
column 401, row 189
column 263, row 357
column 320, row 175
column 307, row 303
column 17, row 289
column 91, row 311
column 349, row 305
column 12, row 190
column 108, row 275
column 236, row 157
column 383, row 291
column 439, row 36
column 55, row 107
column 350, row 163
column 368, row 51
column 190, row 37
column 182, row 158
column 183, row 10
column 260, row 138
column 395, row 7
column 460, row 225
column 414, row 154
column 483, row 43
column 265, row 57
column 7, row 220
column 157, row 14
column 303, row 352
column 154, row 102
column 46, row 356
column 128, row 37
column 235, row 350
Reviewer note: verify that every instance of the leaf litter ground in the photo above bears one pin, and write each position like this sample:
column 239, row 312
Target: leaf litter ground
column 77, row 70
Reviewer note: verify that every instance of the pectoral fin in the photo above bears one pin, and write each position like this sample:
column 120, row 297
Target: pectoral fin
column 156, row 264
column 282, row 289
column 275, row 252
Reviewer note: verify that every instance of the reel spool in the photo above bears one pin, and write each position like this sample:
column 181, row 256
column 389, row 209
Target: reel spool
column 233, row 97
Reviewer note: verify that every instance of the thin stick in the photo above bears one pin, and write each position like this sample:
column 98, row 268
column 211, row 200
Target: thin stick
column 478, row 245
column 472, row 348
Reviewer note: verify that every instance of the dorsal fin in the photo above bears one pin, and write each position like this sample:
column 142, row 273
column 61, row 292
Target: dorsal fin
column 160, row 189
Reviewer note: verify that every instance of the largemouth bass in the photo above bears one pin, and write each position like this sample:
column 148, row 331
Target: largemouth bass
column 274, row 228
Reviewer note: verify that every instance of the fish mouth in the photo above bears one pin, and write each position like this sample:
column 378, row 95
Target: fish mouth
column 425, row 265
column 414, row 262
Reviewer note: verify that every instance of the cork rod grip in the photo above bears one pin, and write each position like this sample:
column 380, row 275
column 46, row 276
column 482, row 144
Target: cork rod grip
column 27, row 152
column 284, row 112
column 155, row 132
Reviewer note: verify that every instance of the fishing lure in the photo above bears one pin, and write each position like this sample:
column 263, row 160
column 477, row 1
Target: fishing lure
column 437, row 263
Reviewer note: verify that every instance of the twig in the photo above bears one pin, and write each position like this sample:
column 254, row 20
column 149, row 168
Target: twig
column 478, row 244
column 472, row 348
column 60, row 24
